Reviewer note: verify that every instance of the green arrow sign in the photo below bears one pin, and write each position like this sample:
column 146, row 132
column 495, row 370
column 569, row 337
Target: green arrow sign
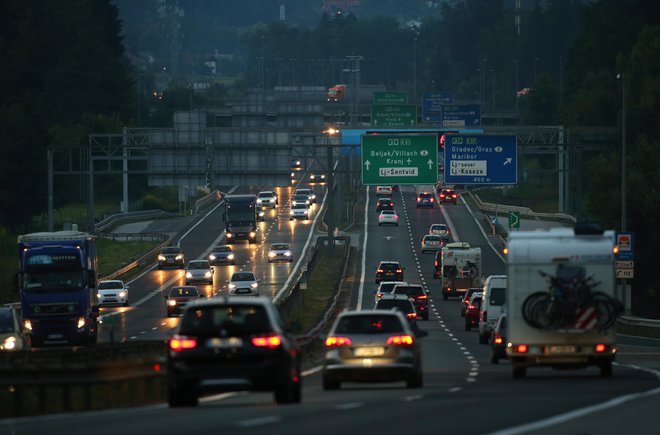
column 514, row 220
column 393, row 115
column 399, row 159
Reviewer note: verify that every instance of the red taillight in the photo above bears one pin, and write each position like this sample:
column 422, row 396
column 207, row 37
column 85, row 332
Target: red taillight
column 454, row 196
column 379, row 295
column 399, row 271
column 411, row 315
column 180, row 343
column 380, row 271
column 498, row 339
column 418, row 199
column 422, row 297
column 522, row 348
column 396, row 217
column 431, row 199
column 392, row 203
column 401, row 340
column 600, row 348
column 271, row 341
column 442, row 195
column 337, row 341
column 435, row 264
column 471, row 307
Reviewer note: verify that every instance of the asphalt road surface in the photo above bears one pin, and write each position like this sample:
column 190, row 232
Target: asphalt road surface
column 463, row 392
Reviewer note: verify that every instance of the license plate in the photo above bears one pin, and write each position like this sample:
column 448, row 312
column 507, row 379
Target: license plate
column 224, row 343
column 55, row 336
column 243, row 290
column 560, row 349
column 369, row 351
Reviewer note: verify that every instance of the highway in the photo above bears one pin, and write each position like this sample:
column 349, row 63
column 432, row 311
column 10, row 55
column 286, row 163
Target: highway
column 463, row 392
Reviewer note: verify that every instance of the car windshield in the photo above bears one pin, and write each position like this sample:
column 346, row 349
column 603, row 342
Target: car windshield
column 410, row 290
column 222, row 249
column 389, row 267
column 403, row 305
column 387, row 287
column 183, row 291
column 226, row 320
column 265, row 195
column 248, row 276
column 53, row 281
column 369, row 324
column 6, row 321
column 387, row 212
column 199, row 265
column 172, row 250
column 279, row 246
column 496, row 296
column 108, row 285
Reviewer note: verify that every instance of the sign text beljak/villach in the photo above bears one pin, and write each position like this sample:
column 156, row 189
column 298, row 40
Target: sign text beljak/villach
column 393, row 153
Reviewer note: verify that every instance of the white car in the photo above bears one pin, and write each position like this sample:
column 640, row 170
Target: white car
column 310, row 194
column 280, row 252
column 383, row 190
column 299, row 211
column 301, row 199
column 267, row 198
column 433, row 243
column 243, row 284
column 112, row 292
column 199, row 271
column 388, row 217
column 13, row 335
column 439, row 230
column 386, row 287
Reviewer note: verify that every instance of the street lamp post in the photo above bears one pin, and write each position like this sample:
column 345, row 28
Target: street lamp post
column 625, row 293
column 560, row 81
column 515, row 61
column 329, row 212
column 483, row 80
column 415, row 72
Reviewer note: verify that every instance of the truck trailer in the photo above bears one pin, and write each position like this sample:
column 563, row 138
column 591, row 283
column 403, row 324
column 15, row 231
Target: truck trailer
column 241, row 216
column 57, row 281
column 561, row 303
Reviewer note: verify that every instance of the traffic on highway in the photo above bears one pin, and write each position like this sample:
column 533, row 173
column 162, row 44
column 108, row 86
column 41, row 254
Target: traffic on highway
column 405, row 353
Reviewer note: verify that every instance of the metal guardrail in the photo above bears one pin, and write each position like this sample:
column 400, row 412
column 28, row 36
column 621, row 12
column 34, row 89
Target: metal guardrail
column 524, row 211
column 205, row 202
column 122, row 218
column 638, row 321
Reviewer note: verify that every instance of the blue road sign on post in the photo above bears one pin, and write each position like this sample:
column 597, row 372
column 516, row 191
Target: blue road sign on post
column 625, row 241
column 480, row 159
column 461, row 115
column 433, row 102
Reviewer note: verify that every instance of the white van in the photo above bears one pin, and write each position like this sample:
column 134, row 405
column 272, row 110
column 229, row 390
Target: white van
column 492, row 305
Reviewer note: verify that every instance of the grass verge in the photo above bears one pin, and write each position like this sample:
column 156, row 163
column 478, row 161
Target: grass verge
column 540, row 200
column 114, row 255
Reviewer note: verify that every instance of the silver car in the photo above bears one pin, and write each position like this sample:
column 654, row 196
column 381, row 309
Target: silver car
column 371, row 346
column 112, row 292
column 433, row 243
column 267, row 198
column 243, row 283
column 299, row 211
column 199, row 271
column 13, row 336
column 280, row 252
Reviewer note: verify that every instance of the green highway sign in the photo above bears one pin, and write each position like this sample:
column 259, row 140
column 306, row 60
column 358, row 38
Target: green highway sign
column 390, row 97
column 399, row 159
column 392, row 115
column 514, row 220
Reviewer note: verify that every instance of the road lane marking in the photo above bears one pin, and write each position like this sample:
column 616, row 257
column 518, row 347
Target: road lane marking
column 413, row 398
column 347, row 406
column 364, row 251
column 455, row 389
column 258, row 421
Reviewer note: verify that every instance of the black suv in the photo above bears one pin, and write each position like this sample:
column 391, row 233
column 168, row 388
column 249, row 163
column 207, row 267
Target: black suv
column 448, row 195
column 384, row 204
column 425, row 199
column 417, row 295
column 232, row 344
column 171, row 256
column 389, row 271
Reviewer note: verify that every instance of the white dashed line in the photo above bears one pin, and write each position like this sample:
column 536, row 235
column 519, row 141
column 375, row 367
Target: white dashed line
column 412, row 398
column 455, row 389
column 258, row 421
column 347, row 406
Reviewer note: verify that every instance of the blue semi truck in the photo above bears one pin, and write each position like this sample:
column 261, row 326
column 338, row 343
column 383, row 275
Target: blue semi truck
column 57, row 280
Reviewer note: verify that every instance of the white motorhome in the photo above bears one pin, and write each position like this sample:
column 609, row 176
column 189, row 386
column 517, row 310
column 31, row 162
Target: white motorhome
column 460, row 268
column 560, row 300
column 492, row 306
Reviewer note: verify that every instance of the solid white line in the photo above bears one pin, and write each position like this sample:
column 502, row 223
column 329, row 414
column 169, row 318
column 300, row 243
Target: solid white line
column 572, row 415
column 280, row 293
column 218, row 397
column 497, row 252
column 364, row 251
column 258, row 421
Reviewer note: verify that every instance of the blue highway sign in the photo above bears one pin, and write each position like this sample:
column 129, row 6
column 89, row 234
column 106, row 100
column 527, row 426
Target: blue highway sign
column 433, row 102
column 625, row 241
column 461, row 115
column 480, row 159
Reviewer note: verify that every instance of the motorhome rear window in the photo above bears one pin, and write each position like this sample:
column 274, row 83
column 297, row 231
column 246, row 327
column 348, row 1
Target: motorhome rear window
column 497, row 295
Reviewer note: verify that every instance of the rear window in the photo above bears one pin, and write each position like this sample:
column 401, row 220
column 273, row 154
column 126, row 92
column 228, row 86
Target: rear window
column 226, row 319
column 425, row 195
column 409, row 290
column 389, row 267
column 369, row 324
column 496, row 296
column 171, row 250
column 403, row 305
column 386, row 288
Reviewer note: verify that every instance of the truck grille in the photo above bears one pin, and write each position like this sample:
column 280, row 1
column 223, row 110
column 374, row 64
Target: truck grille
column 56, row 308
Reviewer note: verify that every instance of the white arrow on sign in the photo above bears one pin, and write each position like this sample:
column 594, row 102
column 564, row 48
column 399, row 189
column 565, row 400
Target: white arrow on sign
column 367, row 164
column 508, row 161
column 430, row 163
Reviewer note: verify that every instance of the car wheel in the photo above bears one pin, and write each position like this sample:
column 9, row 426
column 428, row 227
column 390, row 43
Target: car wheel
column 330, row 384
column 445, row 296
column 177, row 397
column 425, row 316
column 126, row 303
column 160, row 267
column 494, row 359
column 519, row 372
column 211, row 282
column 416, row 380
column 462, row 313
column 287, row 391
column 468, row 326
column 291, row 219
column 483, row 338
column 606, row 369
